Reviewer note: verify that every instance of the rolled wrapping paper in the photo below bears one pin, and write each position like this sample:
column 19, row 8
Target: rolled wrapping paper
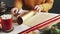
column 28, row 15
column 25, row 17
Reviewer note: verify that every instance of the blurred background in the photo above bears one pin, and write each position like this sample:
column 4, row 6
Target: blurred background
column 9, row 2
column 55, row 9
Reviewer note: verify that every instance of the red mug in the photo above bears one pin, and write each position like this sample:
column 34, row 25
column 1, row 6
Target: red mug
column 6, row 22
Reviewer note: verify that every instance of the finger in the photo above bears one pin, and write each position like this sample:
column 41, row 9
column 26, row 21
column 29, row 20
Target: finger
column 14, row 10
column 36, row 7
column 20, row 14
column 20, row 11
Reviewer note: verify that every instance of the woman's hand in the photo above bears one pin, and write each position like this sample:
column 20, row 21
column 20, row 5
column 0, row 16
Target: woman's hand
column 37, row 8
column 14, row 11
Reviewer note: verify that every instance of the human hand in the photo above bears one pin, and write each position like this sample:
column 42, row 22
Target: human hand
column 22, row 12
column 14, row 11
column 37, row 8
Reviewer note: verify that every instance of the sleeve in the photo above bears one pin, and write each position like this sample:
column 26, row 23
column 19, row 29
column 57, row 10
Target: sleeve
column 47, row 6
column 18, row 4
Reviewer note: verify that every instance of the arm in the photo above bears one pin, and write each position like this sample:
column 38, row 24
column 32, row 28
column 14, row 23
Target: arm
column 47, row 6
column 18, row 4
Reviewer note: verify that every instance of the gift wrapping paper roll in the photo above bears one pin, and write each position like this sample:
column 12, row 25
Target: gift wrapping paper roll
column 25, row 17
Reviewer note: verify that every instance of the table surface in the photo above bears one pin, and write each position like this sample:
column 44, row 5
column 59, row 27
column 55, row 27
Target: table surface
column 17, row 29
column 29, row 23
